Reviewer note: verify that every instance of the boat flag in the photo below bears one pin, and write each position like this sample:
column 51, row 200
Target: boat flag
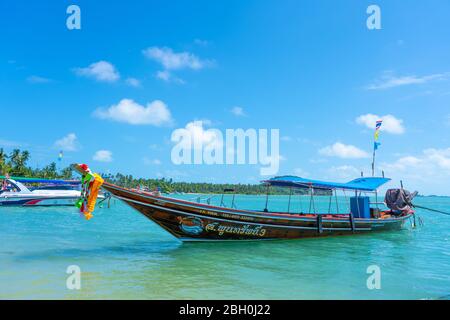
column 378, row 125
column 377, row 134
column 376, row 144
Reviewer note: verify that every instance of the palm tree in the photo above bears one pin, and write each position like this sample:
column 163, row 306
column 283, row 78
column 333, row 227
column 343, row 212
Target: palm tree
column 4, row 168
column 25, row 156
column 18, row 162
column 50, row 171
column 66, row 173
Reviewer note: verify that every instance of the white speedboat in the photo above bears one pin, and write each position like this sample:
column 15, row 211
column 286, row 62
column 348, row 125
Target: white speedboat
column 15, row 193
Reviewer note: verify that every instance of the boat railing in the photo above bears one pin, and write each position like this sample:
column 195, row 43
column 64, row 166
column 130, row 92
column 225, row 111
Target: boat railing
column 207, row 199
column 200, row 199
column 225, row 191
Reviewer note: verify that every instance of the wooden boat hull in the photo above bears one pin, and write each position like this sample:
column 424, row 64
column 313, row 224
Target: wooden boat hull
column 190, row 221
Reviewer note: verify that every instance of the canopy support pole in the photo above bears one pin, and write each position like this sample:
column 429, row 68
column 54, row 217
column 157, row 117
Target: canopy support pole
column 337, row 203
column 301, row 205
column 232, row 202
column 352, row 222
column 357, row 203
column 376, row 200
column 319, row 224
column 221, row 201
column 347, row 200
column 311, row 201
column 267, row 199
column 289, row 203
column 331, row 199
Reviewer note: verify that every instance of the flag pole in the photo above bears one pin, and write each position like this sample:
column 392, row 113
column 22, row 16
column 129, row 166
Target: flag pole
column 60, row 156
column 373, row 162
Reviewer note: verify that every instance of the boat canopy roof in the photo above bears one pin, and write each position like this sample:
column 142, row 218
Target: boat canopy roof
column 361, row 184
column 46, row 181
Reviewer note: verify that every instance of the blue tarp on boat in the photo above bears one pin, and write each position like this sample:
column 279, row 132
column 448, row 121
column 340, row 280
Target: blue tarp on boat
column 363, row 184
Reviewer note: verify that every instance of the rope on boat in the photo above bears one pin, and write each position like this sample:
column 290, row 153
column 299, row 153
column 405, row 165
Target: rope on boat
column 107, row 198
column 432, row 210
column 421, row 223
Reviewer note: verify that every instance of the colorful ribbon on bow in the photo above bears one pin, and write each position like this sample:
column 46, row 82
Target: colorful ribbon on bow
column 90, row 187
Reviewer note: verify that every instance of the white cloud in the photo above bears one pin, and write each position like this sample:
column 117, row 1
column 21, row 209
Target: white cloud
column 440, row 157
column 286, row 138
column 38, row 80
column 68, row 143
column 154, row 147
column 101, row 71
column 390, row 123
column 148, row 161
column 155, row 113
column 344, row 172
column 404, row 163
column 168, row 77
column 199, row 135
column 344, row 151
column 9, row 143
column 163, row 75
column 389, row 80
column 133, row 82
column 201, row 42
column 428, row 172
column 174, row 174
column 103, row 156
column 171, row 60
column 238, row 111
column 300, row 172
column 436, row 160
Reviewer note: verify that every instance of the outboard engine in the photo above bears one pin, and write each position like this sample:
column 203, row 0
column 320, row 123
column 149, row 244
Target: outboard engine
column 399, row 200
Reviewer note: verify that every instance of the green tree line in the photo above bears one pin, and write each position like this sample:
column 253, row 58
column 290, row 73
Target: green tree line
column 170, row 186
column 16, row 164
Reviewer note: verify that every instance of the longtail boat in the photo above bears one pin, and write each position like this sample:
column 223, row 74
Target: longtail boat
column 192, row 221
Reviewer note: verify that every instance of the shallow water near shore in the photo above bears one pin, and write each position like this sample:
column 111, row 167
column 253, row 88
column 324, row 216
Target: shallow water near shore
column 123, row 255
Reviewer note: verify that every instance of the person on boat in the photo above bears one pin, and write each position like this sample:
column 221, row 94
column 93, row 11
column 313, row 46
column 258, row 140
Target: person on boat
column 5, row 184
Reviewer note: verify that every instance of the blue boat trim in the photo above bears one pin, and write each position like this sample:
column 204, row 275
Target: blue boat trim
column 360, row 184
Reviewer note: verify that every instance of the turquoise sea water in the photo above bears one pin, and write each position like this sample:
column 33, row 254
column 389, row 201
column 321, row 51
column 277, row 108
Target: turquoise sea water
column 122, row 255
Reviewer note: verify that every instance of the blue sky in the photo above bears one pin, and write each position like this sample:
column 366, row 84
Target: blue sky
column 309, row 68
